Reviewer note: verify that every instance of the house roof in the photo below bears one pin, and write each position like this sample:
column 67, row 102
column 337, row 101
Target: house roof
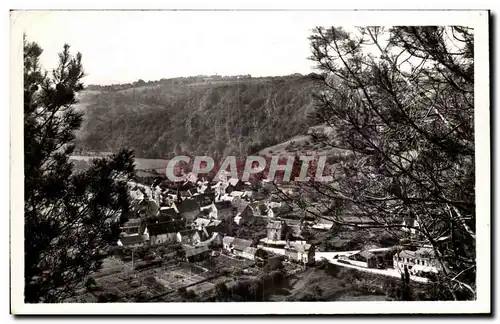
column 164, row 227
column 366, row 254
column 134, row 222
column 406, row 254
column 223, row 205
column 250, row 250
column 206, row 222
column 215, row 222
column 236, row 201
column 233, row 181
column 201, row 221
column 241, row 206
column 279, row 208
column 228, row 239
column 299, row 247
column 169, row 212
column 204, row 199
column 241, row 244
column 132, row 239
column 236, row 193
column 425, row 252
column 192, row 251
column 187, row 205
column 409, row 220
column 188, row 233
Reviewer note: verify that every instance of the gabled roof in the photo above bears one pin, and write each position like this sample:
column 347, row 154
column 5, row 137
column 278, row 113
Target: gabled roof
column 240, row 244
column 250, row 250
column 192, row 251
column 188, row 233
column 223, row 205
column 215, row 222
column 365, row 254
column 134, row 222
column 165, row 227
column 241, row 206
column 187, row 205
column 236, row 201
column 206, row 222
column 201, row 221
column 406, row 254
column 233, row 181
column 168, row 212
column 132, row 239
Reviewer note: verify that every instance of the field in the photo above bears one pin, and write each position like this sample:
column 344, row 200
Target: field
column 117, row 281
column 318, row 285
column 175, row 278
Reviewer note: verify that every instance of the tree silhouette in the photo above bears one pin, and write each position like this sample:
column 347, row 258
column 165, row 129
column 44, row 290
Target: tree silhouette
column 70, row 217
column 405, row 111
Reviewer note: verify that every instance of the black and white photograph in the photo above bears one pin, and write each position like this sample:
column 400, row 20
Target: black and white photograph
column 201, row 161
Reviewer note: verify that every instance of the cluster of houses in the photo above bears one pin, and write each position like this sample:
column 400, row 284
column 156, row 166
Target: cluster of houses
column 198, row 217
column 419, row 261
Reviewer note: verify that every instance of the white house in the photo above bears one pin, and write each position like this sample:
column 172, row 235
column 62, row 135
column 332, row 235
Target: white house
column 417, row 262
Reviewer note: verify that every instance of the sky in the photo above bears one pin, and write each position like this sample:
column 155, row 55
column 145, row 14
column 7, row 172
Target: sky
column 124, row 46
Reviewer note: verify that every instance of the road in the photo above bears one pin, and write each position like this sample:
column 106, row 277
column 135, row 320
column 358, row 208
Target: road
column 331, row 255
column 390, row 272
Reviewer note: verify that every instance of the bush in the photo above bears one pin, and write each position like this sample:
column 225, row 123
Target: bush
column 221, row 289
column 308, row 297
column 91, row 284
column 107, row 298
column 190, row 294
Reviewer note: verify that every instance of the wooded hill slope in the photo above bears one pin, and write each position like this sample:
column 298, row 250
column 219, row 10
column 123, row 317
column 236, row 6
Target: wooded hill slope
column 216, row 117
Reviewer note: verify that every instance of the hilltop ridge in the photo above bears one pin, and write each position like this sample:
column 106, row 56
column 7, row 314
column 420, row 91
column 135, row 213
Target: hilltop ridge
column 202, row 115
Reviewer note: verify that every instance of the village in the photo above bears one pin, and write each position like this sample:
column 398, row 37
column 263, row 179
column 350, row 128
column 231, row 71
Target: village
column 185, row 240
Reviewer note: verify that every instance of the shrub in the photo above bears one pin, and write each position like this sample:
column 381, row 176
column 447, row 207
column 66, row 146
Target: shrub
column 91, row 285
column 107, row 298
column 189, row 294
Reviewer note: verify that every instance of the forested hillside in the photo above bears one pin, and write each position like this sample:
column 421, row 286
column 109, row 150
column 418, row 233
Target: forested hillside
column 202, row 116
